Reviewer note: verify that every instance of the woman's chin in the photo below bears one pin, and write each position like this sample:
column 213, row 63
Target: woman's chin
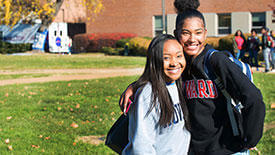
column 191, row 52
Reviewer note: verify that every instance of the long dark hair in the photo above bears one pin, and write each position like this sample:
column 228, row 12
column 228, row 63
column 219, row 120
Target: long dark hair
column 244, row 39
column 236, row 33
column 186, row 9
column 154, row 74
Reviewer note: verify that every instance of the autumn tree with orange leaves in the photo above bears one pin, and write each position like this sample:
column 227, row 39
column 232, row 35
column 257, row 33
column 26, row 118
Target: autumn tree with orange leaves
column 14, row 11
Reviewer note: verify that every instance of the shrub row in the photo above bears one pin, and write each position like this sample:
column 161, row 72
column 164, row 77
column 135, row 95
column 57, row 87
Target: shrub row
column 6, row 47
column 94, row 42
column 114, row 43
column 136, row 46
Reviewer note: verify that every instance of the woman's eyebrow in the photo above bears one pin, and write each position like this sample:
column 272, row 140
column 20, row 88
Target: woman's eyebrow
column 195, row 30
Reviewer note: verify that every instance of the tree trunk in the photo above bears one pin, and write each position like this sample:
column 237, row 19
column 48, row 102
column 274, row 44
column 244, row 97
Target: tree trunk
column 47, row 21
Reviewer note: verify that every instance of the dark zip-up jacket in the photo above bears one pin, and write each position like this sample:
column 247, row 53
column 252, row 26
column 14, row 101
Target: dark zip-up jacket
column 264, row 42
column 210, row 127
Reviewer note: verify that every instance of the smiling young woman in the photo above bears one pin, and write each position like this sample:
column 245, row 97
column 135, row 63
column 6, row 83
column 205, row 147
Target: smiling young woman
column 173, row 60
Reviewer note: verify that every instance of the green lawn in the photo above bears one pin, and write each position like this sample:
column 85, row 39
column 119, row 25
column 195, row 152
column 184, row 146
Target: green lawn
column 19, row 76
column 54, row 61
column 37, row 118
column 266, row 83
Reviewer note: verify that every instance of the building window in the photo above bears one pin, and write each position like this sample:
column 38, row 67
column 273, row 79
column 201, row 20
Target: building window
column 258, row 21
column 224, row 20
column 159, row 25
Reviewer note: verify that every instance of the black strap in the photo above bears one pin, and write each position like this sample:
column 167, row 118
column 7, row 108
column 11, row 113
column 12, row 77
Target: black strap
column 220, row 86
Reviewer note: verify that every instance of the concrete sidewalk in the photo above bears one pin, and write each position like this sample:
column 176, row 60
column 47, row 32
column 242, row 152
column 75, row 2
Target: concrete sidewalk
column 262, row 70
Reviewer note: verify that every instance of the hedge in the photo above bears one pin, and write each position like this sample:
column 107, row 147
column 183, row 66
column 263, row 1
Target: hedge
column 7, row 48
column 94, row 42
column 138, row 46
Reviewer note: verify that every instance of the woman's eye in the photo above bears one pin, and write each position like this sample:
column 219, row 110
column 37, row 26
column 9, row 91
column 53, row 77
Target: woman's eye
column 185, row 33
column 179, row 56
column 165, row 58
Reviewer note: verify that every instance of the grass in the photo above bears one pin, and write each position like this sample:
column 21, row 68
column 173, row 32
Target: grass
column 35, row 75
column 266, row 83
column 18, row 76
column 38, row 117
column 54, row 61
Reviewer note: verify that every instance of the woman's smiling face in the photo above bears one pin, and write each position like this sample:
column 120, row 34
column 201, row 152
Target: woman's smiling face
column 193, row 36
column 173, row 60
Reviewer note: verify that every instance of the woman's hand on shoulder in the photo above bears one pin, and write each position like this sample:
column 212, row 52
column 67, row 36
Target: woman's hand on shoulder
column 124, row 101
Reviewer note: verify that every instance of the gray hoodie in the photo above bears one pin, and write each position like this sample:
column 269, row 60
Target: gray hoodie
column 146, row 136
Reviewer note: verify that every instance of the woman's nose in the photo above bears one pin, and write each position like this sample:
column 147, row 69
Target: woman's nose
column 192, row 37
column 173, row 62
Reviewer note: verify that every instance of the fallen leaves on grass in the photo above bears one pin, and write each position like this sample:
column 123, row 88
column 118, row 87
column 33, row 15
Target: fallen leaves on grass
column 61, row 123
column 74, row 125
column 77, row 106
column 9, row 117
column 35, row 146
column 47, row 138
column 10, row 148
column 32, row 93
column 95, row 140
column 7, row 141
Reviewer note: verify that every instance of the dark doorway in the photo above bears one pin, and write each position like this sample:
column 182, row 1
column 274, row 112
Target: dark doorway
column 76, row 28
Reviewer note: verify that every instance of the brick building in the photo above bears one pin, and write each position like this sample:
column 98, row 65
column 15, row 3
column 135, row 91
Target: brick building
column 74, row 14
column 144, row 17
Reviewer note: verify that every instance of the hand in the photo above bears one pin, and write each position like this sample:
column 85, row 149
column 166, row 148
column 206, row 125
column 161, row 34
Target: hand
column 255, row 149
column 124, row 100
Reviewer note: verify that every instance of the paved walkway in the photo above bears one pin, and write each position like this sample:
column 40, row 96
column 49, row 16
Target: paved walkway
column 76, row 74
column 262, row 69
column 73, row 74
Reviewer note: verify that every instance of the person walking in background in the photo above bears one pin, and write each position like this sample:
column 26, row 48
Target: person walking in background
column 272, row 50
column 253, row 46
column 239, row 44
column 265, row 47
column 158, row 119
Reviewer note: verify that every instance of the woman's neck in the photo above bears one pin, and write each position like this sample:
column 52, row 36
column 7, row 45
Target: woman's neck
column 170, row 83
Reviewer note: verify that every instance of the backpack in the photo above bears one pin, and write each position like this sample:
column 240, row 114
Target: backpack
column 233, row 106
column 270, row 42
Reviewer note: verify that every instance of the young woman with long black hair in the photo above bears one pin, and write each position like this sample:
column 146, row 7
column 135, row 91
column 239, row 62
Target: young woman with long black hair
column 239, row 44
column 159, row 117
